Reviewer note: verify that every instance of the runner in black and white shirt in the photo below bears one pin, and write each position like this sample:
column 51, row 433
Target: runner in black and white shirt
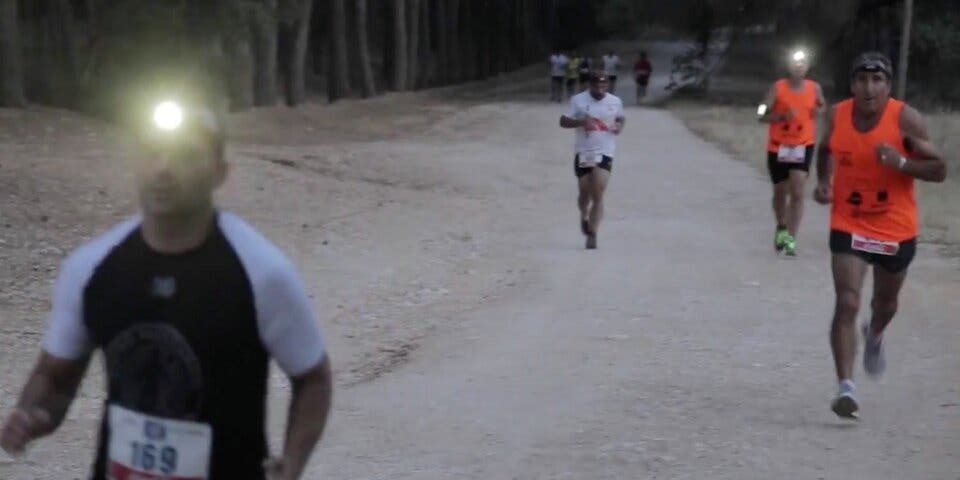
column 229, row 293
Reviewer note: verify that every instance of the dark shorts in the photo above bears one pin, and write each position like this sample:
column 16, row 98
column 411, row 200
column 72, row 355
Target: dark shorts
column 841, row 243
column 605, row 164
column 780, row 171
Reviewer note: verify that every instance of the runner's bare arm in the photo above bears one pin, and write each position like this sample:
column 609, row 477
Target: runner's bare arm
column 568, row 122
column 768, row 100
column 307, row 418
column 824, row 189
column 824, row 157
column 925, row 161
column 821, row 101
column 44, row 401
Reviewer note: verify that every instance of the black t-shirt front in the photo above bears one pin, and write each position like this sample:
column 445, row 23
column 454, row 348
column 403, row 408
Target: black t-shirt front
column 235, row 300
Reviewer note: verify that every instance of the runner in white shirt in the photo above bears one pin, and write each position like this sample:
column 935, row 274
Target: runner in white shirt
column 611, row 66
column 558, row 70
column 598, row 118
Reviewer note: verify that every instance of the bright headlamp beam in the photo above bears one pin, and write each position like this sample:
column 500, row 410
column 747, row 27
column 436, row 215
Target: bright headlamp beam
column 167, row 115
column 799, row 56
column 761, row 110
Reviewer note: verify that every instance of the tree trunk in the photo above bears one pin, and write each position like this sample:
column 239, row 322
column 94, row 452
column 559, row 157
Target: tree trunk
column 442, row 26
column 240, row 82
column 400, row 63
column 11, row 68
column 904, row 49
column 466, row 29
column 298, row 34
column 338, row 83
column 61, row 50
column 413, row 42
column 427, row 63
column 367, row 85
column 263, row 26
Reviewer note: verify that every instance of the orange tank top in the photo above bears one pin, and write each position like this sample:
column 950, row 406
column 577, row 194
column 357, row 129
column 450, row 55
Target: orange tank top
column 802, row 128
column 870, row 199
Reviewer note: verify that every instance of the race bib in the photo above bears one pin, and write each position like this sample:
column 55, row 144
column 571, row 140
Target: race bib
column 143, row 447
column 589, row 160
column 792, row 154
column 869, row 245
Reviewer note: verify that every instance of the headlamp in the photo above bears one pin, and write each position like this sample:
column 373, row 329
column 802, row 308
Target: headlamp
column 761, row 110
column 168, row 115
column 799, row 56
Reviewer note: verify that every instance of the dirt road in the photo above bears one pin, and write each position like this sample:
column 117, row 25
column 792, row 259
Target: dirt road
column 474, row 338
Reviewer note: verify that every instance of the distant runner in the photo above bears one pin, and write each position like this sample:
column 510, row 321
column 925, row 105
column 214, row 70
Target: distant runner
column 791, row 108
column 611, row 67
column 558, row 69
column 583, row 72
column 873, row 149
column 642, row 70
column 573, row 74
column 598, row 118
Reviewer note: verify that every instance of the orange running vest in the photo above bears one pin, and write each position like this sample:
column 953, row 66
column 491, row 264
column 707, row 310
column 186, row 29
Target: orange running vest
column 802, row 128
column 870, row 199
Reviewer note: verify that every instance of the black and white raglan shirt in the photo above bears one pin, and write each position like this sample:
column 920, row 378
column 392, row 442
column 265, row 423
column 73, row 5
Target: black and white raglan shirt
column 236, row 299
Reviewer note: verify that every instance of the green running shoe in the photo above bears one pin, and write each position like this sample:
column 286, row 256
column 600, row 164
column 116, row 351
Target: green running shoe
column 790, row 247
column 780, row 239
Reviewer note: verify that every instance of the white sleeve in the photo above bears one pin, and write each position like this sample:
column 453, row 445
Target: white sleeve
column 620, row 109
column 66, row 335
column 286, row 321
column 288, row 325
column 574, row 110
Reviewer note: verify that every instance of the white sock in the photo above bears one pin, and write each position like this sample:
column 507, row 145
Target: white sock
column 847, row 386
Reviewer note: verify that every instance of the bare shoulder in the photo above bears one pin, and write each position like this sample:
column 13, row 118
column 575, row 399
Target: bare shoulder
column 912, row 122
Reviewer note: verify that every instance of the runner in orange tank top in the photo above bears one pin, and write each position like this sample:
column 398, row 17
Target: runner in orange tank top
column 791, row 108
column 873, row 149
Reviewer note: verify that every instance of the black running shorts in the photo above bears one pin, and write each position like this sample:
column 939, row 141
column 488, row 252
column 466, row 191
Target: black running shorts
column 842, row 243
column 780, row 171
column 606, row 164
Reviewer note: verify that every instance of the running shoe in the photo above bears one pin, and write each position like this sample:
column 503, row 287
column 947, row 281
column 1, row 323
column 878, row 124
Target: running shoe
column 780, row 239
column 845, row 406
column 790, row 247
column 591, row 242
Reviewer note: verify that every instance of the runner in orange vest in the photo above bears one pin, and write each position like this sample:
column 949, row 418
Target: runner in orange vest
column 874, row 148
column 791, row 108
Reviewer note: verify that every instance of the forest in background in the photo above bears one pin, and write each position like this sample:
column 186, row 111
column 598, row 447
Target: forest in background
column 86, row 54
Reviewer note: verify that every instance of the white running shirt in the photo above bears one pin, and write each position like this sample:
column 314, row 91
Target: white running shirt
column 611, row 64
column 558, row 65
column 607, row 109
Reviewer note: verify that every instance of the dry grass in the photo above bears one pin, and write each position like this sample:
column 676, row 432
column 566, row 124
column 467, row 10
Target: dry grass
column 735, row 129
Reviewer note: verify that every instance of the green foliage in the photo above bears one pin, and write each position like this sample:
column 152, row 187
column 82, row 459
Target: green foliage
column 935, row 52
